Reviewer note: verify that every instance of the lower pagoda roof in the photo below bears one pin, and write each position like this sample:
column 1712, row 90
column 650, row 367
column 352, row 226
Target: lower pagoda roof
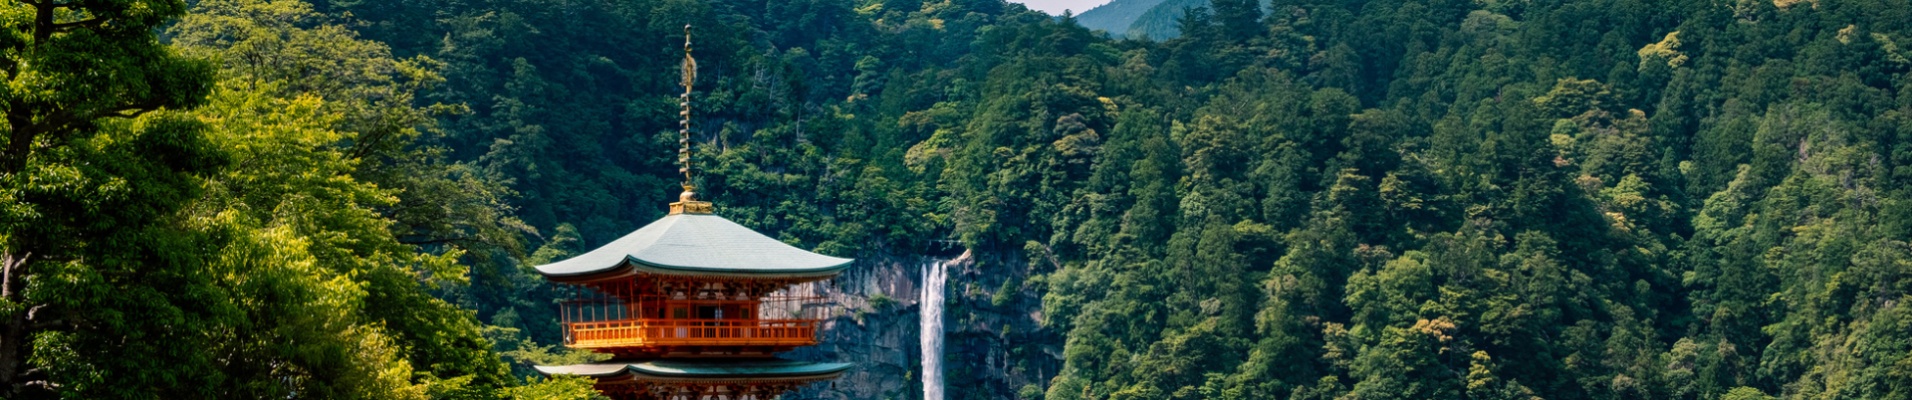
column 701, row 369
column 695, row 245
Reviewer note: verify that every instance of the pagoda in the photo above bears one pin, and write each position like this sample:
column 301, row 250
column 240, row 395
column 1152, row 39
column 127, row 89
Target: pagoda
column 693, row 306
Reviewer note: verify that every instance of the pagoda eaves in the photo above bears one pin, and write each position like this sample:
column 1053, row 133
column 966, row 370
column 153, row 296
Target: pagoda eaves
column 688, row 306
column 695, row 245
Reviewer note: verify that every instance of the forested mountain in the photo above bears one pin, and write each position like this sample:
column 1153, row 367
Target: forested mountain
column 1346, row 199
column 1115, row 16
column 1164, row 21
column 1140, row 19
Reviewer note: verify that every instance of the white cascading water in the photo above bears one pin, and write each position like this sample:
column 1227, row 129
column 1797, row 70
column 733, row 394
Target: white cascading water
column 931, row 335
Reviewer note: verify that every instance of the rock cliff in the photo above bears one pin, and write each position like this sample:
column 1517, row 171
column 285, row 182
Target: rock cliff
column 995, row 344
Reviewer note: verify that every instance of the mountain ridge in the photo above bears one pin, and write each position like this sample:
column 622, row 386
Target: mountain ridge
column 1115, row 17
column 1160, row 22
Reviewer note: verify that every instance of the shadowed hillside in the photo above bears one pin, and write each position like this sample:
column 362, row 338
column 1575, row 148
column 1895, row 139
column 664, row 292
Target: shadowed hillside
column 1116, row 16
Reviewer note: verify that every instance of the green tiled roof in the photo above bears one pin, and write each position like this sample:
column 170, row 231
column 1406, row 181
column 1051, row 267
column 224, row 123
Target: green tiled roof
column 696, row 244
column 701, row 368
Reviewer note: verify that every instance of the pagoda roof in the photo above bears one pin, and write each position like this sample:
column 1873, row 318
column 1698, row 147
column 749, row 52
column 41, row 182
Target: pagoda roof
column 702, row 368
column 695, row 245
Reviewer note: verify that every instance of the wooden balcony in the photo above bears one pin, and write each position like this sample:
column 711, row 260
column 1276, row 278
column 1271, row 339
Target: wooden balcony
column 635, row 333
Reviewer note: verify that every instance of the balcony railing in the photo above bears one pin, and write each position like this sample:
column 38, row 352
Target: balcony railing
column 691, row 332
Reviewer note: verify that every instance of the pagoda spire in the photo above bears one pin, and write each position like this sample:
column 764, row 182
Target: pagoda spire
column 687, row 202
column 692, row 305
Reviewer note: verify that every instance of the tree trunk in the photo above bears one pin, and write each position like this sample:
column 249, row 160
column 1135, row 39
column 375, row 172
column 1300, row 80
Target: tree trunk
column 14, row 331
column 13, row 328
column 13, row 267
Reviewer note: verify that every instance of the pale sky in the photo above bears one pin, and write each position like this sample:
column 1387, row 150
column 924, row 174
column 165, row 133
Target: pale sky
column 1055, row 7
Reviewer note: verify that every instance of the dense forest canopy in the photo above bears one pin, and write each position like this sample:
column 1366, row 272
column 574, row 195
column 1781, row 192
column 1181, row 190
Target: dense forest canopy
column 1292, row 199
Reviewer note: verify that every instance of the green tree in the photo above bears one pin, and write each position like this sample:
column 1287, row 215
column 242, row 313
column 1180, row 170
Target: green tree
column 76, row 73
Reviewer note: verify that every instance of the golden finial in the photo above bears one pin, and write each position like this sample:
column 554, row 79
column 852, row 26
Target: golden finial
column 687, row 202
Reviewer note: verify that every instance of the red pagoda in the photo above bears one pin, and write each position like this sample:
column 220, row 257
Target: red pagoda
column 690, row 307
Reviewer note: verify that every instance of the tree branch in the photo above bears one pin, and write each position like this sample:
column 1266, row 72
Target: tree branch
column 10, row 264
column 436, row 241
column 34, row 312
column 42, row 22
column 90, row 23
column 48, row 4
column 49, row 324
column 65, row 118
column 19, row 141
column 130, row 113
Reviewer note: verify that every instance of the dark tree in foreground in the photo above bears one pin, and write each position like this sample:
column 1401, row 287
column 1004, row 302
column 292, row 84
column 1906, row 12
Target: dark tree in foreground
column 76, row 73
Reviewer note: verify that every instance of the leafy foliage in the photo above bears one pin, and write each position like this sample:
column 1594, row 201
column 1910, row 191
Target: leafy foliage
column 1296, row 199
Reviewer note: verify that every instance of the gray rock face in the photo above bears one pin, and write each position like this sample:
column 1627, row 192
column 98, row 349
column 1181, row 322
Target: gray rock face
column 991, row 352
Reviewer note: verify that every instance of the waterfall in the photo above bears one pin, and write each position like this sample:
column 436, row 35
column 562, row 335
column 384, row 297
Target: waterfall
column 931, row 334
